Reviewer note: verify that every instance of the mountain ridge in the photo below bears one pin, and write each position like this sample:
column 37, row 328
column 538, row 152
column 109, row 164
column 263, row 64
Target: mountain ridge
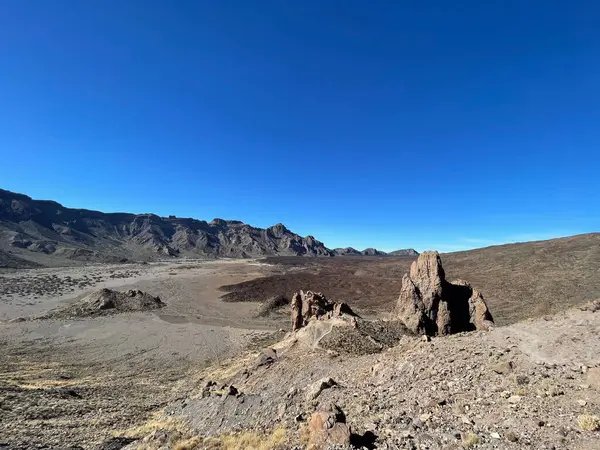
column 37, row 229
column 350, row 251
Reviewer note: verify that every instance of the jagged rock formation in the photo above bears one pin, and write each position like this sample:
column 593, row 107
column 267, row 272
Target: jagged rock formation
column 46, row 231
column 428, row 304
column 313, row 306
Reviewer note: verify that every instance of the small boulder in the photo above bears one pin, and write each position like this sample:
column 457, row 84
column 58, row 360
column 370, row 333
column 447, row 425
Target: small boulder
column 593, row 378
column 328, row 427
column 315, row 389
column 502, row 368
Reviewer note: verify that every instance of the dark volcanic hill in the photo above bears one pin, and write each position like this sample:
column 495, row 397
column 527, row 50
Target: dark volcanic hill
column 404, row 252
column 373, row 252
column 40, row 231
column 348, row 251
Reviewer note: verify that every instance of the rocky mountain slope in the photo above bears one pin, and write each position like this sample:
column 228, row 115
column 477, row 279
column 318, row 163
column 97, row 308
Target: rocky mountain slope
column 404, row 252
column 43, row 232
column 349, row 251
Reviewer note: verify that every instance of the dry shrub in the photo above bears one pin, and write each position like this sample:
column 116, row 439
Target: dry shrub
column 188, row 444
column 250, row 440
column 470, row 440
column 588, row 422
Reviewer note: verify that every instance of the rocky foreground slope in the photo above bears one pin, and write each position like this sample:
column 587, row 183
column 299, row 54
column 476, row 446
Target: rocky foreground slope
column 534, row 384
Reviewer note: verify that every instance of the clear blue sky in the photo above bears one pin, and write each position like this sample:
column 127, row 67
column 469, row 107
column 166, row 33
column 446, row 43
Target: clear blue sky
column 432, row 124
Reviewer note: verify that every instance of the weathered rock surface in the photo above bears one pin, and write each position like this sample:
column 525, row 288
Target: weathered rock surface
column 307, row 306
column 428, row 304
column 328, row 427
column 522, row 386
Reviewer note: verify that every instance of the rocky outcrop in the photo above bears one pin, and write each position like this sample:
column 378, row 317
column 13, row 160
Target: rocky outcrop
column 428, row 304
column 327, row 427
column 307, row 306
column 105, row 302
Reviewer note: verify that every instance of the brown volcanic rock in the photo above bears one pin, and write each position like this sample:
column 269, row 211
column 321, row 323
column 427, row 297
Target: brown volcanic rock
column 428, row 304
column 309, row 305
column 328, row 427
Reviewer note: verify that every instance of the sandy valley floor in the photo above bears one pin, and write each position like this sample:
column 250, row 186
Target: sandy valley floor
column 78, row 378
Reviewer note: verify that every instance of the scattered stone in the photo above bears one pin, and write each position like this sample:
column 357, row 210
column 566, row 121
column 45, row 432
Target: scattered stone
column 466, row 420
column 267, row 357
column 418, row 423
column 511, row 437
column 593, row 378
column 495, row 435
column 503, row 368
column 430, row 305
column 116, row 443
column 425, row 417
column 232, row 390
column 316, row 388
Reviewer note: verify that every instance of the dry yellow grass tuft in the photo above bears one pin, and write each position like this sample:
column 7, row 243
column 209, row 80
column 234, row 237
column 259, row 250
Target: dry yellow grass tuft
column 470, row 440
column 250, row 440
column 188, row 444
column 154, row 424
column 588, row 422
column 227, row 369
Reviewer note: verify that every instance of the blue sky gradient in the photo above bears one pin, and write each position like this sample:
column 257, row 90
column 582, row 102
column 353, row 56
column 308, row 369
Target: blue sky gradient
column 436, row 124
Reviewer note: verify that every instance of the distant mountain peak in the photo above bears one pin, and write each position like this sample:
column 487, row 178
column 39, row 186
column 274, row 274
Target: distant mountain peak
column 404, row 252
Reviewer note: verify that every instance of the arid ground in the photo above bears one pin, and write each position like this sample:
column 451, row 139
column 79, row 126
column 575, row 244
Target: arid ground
column 74, row 382
column 85, row 378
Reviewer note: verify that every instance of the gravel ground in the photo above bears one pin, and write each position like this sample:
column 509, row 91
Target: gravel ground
column 76, row 382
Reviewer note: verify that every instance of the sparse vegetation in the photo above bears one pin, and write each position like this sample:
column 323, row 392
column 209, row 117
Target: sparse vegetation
column 588, row 422
column 187, row 444
column 250, row 440
column 246, row 440
column 470, row 440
